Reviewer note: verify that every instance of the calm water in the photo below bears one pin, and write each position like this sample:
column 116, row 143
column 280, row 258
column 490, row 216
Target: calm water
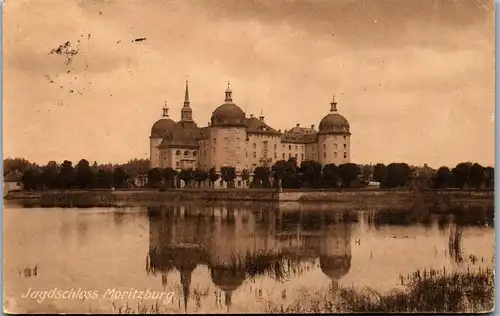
column 218, row 258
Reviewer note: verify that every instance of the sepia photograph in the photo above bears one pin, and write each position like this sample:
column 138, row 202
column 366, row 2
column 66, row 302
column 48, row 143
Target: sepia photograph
column 248, row 156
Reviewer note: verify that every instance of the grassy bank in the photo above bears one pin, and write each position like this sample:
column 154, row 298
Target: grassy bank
column 424, row 292
column 358, row 198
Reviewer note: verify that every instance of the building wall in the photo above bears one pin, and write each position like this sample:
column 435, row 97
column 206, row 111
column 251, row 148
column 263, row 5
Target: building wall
column 154, row 154
column 293, row 150
column 228, row 147
column 334, row 149
column 256, row 146
column 204, row 155
column 312, row 151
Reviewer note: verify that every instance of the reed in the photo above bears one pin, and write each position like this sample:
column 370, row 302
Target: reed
column 434, row 291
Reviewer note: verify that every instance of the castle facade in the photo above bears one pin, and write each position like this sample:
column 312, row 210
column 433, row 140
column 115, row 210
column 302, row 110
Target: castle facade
column 233, row 139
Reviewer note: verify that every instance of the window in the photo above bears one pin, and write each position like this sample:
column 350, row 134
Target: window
column 177, row 164
column 289, row 147
column 334, row 146
column 275, row 155
column 345, row 155
column 296, row 147
column 178, row 153
column 214, row 141
column 254, row 145
column 254, row 154
column 194, row 153
column 345, row 146
column 275, row 146
column 289, row 155
column 335, row 155
column 239, row 183
column 302, row 158
column 186, row 153
column 345, row 137
column 205, row 153
column 283, row 156
column 324, row 155
column 324, row 146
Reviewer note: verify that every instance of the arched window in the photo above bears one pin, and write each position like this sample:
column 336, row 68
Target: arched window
column 186, row 153
column 178, row 153
column 194, row 153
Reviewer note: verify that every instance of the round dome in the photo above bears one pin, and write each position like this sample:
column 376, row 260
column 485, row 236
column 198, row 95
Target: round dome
column 335, row 267
column 228, row 114
column 334, row 123
column 227, row 279
column 162, row 128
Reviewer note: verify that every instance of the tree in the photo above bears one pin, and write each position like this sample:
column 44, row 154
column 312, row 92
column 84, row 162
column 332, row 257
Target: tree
column 200, row 176
column 398, row 175
column 367, row 172
column 380, row 172
column 30, row 179
column 104, row 179
column 443, row 178
column 310, row 173
column 228, row 174
column 120, row 177
column 136, row 167
column 462, row 173
column 261, row 176
column 245, row 175
column 67, row 175
column 50, row 176
column 330, row 175
column 213, row 176
column 348, row 173
column 20, row 164
column 168, row 175
column 84, row 175
column 477, row 176
column 187, row 175
column 154, row 178
column 490, row 177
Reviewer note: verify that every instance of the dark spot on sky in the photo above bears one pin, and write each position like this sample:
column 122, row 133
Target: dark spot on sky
column 139, row 39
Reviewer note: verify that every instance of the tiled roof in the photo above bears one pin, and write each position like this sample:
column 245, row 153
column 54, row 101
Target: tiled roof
column 256, row 126
column 13, row 176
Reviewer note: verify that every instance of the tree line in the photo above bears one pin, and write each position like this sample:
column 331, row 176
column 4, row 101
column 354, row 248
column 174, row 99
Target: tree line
column 82, row 175
column 284, row 173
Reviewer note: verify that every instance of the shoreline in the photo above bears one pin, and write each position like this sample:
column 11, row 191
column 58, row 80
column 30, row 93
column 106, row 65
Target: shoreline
column 346, row 198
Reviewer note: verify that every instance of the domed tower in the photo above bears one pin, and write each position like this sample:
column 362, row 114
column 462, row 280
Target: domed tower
column 335, row 251
column 162, row 129
column 228, row 135
column 334, row 137
column 228, row 279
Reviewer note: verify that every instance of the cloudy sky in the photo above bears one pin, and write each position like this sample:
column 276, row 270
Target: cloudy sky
column 415, row 78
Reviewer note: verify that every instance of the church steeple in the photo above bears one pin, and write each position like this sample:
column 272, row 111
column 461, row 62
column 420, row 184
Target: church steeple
column 333, row 105
column 186, row 112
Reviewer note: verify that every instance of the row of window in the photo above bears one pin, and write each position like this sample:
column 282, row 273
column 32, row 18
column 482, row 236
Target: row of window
column 186, row 153
column 334, row 146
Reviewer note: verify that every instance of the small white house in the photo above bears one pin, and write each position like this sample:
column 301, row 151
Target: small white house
column 12, row 181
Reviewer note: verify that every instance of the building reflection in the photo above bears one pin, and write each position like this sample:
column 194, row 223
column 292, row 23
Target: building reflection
column 237, row 244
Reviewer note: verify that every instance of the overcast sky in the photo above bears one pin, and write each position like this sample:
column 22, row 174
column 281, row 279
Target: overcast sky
column 415, row 78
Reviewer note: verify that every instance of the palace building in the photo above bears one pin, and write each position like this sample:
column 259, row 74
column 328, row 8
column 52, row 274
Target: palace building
column 233, row 139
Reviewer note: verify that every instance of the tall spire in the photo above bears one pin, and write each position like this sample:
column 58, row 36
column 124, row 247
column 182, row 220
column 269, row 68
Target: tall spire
column 261, row 117
column 333, row 105
column 186, row 95
column 165, row 110
column 229, row 98
column 186, row 112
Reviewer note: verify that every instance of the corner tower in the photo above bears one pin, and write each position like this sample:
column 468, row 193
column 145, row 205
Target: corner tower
column 334, row 137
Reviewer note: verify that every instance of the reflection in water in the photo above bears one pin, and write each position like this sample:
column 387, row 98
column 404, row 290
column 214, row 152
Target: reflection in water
column 240, row 256
column 237, row 245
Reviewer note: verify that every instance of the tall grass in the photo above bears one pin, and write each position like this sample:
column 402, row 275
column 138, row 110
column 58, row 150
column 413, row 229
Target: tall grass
column 432, row 292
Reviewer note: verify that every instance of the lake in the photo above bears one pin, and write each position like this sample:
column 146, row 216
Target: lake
column 209, row 258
